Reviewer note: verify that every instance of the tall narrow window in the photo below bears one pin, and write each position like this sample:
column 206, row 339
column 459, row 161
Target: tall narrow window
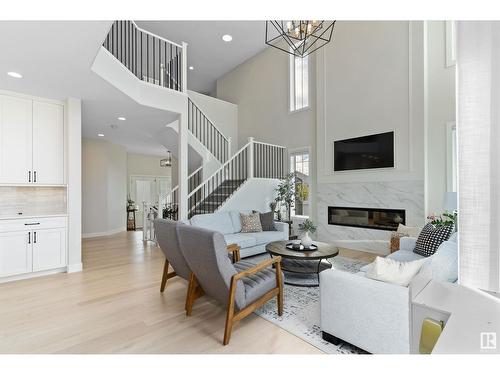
column 299, row 82
column 299, row 164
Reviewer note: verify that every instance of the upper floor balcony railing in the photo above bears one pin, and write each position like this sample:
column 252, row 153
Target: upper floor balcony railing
column 149, row 57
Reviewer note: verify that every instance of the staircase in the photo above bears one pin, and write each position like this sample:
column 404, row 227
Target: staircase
column 160, row 62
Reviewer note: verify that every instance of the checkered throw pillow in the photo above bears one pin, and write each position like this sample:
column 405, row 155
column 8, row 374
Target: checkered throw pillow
column 430, row 238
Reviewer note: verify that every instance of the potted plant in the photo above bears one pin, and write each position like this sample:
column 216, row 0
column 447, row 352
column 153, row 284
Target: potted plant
column 444, row 219
column 307, row 227
column 286, row 193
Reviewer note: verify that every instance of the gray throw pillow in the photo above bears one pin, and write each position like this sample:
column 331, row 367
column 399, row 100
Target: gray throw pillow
column 250, row 223
column 267, row 221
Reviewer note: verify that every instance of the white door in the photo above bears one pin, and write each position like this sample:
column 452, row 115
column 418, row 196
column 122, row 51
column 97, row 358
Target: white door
column 49, row 249
column 48, row 143
column 15, row 140
column 143, row 189
column 15, row 253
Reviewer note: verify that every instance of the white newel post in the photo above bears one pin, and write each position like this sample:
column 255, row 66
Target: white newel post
column 229, row 153
column 250, row 157
column 182, row 161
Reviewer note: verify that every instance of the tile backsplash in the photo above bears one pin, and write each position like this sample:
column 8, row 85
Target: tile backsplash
column 32, row 201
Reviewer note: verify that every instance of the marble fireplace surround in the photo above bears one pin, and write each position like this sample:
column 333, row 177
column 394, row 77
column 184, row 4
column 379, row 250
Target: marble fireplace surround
column 406, row 195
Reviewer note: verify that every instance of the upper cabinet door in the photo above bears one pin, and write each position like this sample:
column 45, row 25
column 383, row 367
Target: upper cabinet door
column 15, row 140
column 48, row 143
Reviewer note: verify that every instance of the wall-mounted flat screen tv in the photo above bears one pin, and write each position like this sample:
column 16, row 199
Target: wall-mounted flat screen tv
column 372, row 151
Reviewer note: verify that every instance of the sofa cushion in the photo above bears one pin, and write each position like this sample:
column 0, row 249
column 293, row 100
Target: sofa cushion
column 266, row 237
column 235, row 217
column 241, row 239
column 219, row 221
column 267, row 221
column 256, row 285
column 393, row 271
column 444, row 263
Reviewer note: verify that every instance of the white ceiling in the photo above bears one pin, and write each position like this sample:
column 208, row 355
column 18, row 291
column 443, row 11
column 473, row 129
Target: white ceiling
column 54, row 58
column 210, row 56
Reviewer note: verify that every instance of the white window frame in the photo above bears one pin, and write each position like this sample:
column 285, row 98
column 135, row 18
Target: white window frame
column 292, row 94
column 291, row 168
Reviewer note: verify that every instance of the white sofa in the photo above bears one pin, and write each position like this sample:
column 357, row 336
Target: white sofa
column 229, row 224
column 374, row 315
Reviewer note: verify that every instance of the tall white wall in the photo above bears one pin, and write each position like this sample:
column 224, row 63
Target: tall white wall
column 260, row 88
column 104, row 187
column 440, row 109
column 255, row 194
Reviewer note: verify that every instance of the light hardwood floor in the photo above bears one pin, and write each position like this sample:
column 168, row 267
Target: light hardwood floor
column 114, row 306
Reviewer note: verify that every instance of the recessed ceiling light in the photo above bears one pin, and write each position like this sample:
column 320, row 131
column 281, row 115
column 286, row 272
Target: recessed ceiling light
column 121, row 118
column 191, row 68
column 100, row 135
column 227, row 38
column 15, row 75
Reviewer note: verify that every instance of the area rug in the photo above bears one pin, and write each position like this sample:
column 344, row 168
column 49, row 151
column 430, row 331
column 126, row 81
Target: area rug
column 301, row 313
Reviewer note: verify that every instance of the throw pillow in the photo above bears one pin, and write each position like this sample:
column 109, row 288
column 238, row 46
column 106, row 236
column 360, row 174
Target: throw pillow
column 266, row 221
column 393, row 271
column 444, row 263
column 410, row 231
column 395, row 236
column 250, row 223
column 430, row 238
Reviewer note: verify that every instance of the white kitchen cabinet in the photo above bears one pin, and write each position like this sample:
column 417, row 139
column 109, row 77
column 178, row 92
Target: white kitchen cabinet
column 15, row 253
column 48, row 143
column 32, row 245
column 49, row 249
column 31, row 141
column 16, row 134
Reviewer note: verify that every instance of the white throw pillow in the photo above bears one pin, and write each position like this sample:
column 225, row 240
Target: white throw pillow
column 393, row 271
column 410, row 231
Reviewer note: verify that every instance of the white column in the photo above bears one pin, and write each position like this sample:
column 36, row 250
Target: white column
column 182, row 164
column 229, row 152
column 250, row 158
column 74, row 179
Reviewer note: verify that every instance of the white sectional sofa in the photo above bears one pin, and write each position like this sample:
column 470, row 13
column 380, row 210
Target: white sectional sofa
column 375, row 315
column 229, row 224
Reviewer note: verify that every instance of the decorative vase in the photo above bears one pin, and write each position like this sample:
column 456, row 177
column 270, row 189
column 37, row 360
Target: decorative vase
column 306, row 240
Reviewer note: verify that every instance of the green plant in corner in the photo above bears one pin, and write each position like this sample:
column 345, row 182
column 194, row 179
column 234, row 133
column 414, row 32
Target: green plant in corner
column 285, row 192
column 307, row 226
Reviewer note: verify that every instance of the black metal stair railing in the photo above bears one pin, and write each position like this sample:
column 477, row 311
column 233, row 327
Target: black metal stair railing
column 207, row 133
column 149, row 57
column 215, row 190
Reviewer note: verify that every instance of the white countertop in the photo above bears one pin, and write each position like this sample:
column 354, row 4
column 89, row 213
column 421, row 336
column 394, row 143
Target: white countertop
column 472, row 312
column 30, row 216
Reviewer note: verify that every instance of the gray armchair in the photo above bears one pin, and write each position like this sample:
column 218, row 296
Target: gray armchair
column 241, row 287
column 166, row 236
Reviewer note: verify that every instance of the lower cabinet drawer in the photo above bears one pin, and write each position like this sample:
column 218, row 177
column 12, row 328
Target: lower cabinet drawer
column 33, row 224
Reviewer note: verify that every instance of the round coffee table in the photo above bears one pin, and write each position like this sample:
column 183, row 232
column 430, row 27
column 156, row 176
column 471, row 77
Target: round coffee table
column 303, row 262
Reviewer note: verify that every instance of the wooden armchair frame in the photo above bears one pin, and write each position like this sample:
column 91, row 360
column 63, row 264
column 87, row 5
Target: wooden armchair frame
column 195, row 291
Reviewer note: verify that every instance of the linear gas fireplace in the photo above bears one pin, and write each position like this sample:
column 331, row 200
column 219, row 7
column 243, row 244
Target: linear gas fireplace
column 374, row 218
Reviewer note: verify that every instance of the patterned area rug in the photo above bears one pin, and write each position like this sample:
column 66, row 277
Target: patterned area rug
column 301, row 315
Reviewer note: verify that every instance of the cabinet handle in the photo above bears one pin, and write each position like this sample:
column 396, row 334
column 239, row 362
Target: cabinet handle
column 34, row 176
column 31, row 223
column 29, row 176
column 29, row 237
column 34, row 237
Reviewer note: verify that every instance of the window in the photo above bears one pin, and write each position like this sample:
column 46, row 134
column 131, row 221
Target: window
column 299, row 164
column 299, row 82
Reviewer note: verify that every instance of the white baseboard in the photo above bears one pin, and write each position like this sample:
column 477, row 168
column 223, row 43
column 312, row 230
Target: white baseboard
column 102, row 234
column 77, row 267
column 31, row 275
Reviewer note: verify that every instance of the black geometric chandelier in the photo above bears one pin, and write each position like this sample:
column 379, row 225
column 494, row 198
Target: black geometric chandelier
column 299, row 38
